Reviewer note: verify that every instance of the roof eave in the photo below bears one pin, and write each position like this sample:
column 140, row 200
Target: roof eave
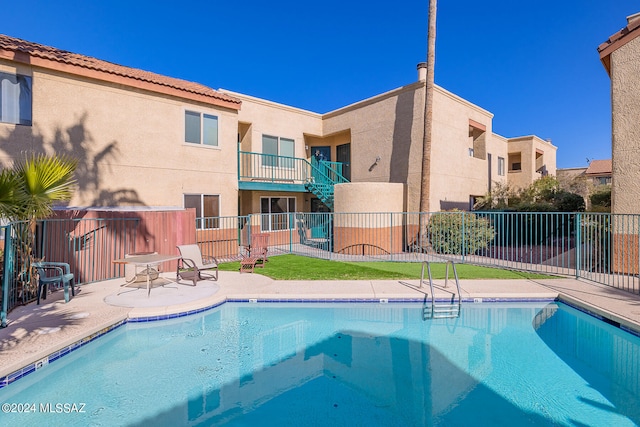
column 28, row 59
column 616, row 41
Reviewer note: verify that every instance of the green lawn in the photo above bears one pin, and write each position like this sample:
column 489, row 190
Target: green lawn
column 295, row 267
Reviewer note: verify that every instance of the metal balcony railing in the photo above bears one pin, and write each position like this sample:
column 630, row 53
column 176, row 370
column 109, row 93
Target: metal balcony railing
column 318, row 177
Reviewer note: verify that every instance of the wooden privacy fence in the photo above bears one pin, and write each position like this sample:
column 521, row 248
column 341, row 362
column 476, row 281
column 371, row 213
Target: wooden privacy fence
column 89, row 241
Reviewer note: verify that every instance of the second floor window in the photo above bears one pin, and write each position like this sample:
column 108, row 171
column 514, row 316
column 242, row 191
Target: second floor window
column 200, row 128
column 500, row 166
column 15, row 99
column 275, row 148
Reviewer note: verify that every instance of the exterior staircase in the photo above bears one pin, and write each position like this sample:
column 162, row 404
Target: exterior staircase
column 324, row 176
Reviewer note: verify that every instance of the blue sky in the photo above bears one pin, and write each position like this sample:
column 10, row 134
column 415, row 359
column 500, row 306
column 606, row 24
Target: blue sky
column 533, row 64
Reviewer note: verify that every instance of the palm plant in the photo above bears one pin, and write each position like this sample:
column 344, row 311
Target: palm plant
column 28, row 192
column 41, row 181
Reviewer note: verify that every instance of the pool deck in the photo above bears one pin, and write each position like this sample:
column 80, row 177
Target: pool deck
column 37, row 331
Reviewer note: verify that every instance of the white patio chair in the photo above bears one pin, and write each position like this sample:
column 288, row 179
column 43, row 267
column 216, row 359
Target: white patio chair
column 192, row 264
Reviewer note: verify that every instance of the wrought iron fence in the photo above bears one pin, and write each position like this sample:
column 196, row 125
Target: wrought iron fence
column 600, row 247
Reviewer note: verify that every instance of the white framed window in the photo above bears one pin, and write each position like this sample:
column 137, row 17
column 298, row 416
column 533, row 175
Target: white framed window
column 200, row 128
column 276, row 213
column 15, row 99
column 207, row 208
column 500, row 166
column 279, row 151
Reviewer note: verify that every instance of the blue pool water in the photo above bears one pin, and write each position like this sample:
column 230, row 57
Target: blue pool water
column 345, row 364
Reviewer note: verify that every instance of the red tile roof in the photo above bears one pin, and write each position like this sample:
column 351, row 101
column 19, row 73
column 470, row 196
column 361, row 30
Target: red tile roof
column 50, row 57
column 619, row 39
column 599, row 167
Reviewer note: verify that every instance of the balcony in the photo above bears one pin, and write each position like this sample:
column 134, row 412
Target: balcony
column 268, row 172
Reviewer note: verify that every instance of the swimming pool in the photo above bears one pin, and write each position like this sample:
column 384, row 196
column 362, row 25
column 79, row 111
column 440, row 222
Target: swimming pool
column 343, row 364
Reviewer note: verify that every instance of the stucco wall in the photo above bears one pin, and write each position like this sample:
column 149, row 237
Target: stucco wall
column 130, row 143
column 625, row 101
column 357, row 221
column 528, row 146
column 367, row 196
column 456, row 175
column 270, row 118
column 390, row 126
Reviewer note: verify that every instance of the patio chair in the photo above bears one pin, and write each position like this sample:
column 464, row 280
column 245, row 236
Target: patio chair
column 257, row 251
column 52, row 273
column 192, row 264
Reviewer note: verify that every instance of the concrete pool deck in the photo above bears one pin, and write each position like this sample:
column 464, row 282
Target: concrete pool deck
column 36, row 331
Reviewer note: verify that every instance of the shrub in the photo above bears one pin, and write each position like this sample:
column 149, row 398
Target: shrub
column 459, row 233
column 543, row 195
column 601, row 200
column 568, row 202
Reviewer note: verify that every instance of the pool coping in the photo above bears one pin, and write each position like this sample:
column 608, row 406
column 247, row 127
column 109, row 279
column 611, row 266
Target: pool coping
column 67, row 348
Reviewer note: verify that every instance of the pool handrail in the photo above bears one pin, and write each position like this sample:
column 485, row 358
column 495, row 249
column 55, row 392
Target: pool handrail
column 443, row 310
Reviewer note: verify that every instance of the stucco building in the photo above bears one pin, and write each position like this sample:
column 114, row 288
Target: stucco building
column 620, row 55
column 141, row 138
column 149, row 140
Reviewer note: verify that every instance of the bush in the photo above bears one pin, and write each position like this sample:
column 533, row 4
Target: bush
column 459, row 233
column 535, row 207
column 601, row 200
column 568, row 202
column 543, row 195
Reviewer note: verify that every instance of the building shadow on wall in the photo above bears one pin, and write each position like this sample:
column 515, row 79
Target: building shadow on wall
column 401, row 143
column 93, row 157
column 77, row 142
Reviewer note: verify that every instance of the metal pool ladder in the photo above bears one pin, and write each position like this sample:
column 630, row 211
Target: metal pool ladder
column 441, row 310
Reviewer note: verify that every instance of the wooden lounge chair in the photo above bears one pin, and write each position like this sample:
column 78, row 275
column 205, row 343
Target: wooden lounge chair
column 193, row 264
column 54, row 273
column 256, row 253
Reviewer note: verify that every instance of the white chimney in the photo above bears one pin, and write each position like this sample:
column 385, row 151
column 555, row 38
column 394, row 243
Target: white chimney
column 422, row 71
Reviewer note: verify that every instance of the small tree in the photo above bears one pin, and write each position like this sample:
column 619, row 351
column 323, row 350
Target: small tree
column 498, row 198
column 459, row 233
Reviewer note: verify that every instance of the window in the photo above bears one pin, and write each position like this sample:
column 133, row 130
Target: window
column 277, row 147
column 500, row 166
column 470, row 152
column 275, row 212
column 200, row 128
column 15, row 99
column 207, row 209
